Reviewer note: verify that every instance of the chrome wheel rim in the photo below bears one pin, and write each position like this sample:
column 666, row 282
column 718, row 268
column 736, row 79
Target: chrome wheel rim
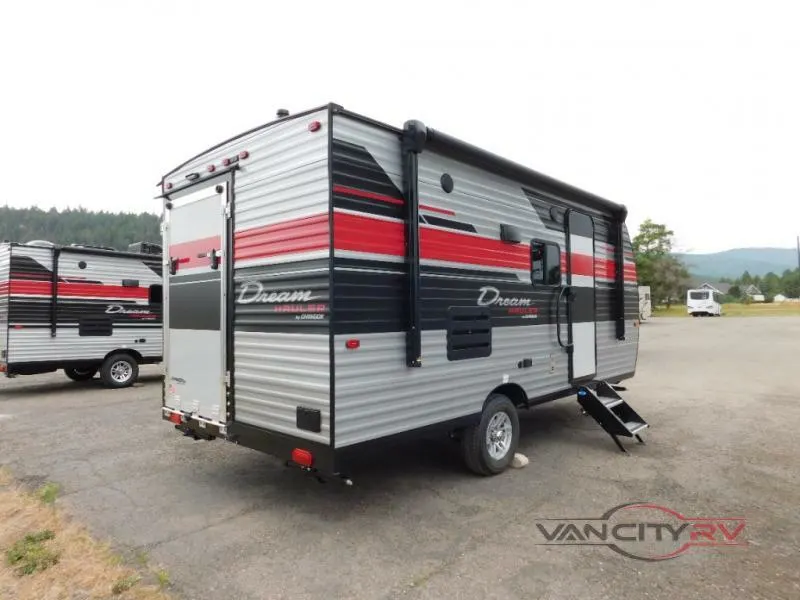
column 498, row 435
column 121, row 371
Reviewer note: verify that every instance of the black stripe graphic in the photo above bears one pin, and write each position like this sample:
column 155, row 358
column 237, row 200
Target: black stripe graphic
column 450, row 224
column 195, row 305
column 273, row 298
column 37, row 311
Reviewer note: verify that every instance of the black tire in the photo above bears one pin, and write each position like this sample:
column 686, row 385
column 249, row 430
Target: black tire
column 474, row 445
column 119, row 370
column 80, row 374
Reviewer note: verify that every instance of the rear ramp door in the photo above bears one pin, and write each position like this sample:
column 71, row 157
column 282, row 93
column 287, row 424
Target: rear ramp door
column 195, row 348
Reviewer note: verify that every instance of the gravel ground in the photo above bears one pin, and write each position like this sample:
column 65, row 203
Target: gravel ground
column 720, row 396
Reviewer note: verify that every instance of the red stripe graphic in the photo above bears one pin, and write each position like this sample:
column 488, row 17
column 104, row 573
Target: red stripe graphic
column 299, row 235
column 608, row 269
column 363, row 233
column 436, row 244
column 340, row 189
column 376, row 236
column 186, row 253
column 444, row 211
column 92, row 290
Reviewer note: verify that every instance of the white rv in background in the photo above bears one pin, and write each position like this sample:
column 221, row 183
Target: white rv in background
column 81, row 309
column 704, row 302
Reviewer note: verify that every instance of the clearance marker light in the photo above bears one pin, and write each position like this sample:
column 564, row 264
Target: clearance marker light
column 352, row 344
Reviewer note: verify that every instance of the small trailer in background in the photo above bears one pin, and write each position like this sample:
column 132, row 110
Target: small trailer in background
column 333, row 283
column 645, row 303
column 81, row 309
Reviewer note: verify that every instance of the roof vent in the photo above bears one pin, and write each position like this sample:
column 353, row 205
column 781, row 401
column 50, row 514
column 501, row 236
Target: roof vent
column 42, row 243
column 282, row 112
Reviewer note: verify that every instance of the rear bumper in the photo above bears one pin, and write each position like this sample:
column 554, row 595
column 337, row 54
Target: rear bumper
column 191, row 425
column 273, row 443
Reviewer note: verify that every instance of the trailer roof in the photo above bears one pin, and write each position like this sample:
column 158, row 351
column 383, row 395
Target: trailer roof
column 85, row 250
column 478, row 157
column 459, row 150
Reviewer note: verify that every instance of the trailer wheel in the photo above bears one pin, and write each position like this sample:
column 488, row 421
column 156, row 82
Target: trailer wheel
column 119, row 370
column 78, row 374
column 488, row 447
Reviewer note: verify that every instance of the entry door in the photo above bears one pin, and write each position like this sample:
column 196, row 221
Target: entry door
column 194, row 321
column 581, row 306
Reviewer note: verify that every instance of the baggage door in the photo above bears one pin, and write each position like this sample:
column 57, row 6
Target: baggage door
column 581, row 313
column 194, row 320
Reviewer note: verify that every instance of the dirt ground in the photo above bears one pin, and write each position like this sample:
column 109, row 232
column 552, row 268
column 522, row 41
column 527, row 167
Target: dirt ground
column 721, row 395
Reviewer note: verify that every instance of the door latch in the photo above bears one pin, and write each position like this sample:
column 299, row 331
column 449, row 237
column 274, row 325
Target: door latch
column 213, row 256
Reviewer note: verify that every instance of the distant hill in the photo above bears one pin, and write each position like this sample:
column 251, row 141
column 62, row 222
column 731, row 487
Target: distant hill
column 732, row 263
column 78, row 226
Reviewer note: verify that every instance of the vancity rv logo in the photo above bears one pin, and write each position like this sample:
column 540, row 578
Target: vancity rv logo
column 642, row 531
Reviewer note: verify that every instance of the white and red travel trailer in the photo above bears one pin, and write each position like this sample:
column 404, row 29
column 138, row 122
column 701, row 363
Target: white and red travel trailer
column 334, row 282
column 81, row 309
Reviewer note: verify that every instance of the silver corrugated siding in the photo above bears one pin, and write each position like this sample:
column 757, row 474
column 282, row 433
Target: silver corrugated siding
column 285, row 179
column 5, row 264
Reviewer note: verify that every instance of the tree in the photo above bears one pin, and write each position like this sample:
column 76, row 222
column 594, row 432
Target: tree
column 78, row 226
column 655, row 264
column 771, row 284
column 735, row 292
column 746, row 279
column 791, row 284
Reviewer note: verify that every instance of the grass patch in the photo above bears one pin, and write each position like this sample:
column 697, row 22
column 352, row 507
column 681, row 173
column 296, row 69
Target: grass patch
column 49, row 492
column 125, row 584
column 163, row 578
column 47, row 555
column 30, row 554
column 758, row 309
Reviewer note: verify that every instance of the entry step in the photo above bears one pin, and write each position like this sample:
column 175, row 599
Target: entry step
column 604, row 404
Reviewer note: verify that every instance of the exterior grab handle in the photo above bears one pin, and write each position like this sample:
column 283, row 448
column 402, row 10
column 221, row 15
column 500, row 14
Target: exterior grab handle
column 564, row 290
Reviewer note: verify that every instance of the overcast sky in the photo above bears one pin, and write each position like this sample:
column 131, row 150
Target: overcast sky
column 689, row 114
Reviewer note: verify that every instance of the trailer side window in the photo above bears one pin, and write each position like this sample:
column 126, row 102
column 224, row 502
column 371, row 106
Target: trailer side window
column 545, row 263
column 155, row 294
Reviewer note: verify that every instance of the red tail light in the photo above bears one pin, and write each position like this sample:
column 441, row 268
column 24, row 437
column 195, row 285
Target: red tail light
column 352, row 344
column 175, row 418
column 304, row 458
column 314, row 126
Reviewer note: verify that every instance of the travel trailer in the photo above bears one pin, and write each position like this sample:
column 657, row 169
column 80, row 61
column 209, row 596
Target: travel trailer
column 81, row 309
column 704, row 302
column 335, row 283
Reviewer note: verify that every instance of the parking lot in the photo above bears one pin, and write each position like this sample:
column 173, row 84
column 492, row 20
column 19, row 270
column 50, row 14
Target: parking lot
column 721, row 395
